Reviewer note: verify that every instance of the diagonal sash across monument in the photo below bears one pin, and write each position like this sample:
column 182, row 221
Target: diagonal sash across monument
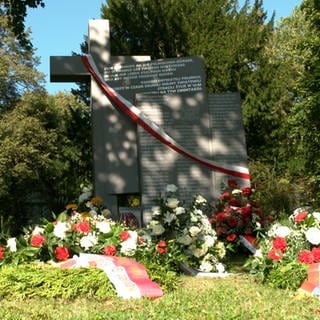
column 124, row 158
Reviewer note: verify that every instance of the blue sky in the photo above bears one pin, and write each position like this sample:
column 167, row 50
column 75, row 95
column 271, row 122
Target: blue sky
column 59, row 28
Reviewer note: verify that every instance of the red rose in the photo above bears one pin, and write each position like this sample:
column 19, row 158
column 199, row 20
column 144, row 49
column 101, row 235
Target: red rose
column 231, row 237
column 110, row 250
column 232, row 221
column 61, row 253
column 124, row 235
column 247, row 191
column 279, row 243
column 305, row 256
column 141, row 240
column 234, row 202
column 316, row 254
column 221, row 230
column 301, row 216
column 83, row 227
column 275, row 255
column 245, row 212
column 232, row 184
column 220, row 216
column 161, row 247
column 225, row 195
column 2, row 252
column 38, row 240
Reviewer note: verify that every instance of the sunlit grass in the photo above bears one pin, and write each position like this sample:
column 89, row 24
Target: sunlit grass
column 235, row 297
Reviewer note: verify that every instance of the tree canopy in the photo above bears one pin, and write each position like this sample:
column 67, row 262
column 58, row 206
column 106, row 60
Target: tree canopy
column 16, row 12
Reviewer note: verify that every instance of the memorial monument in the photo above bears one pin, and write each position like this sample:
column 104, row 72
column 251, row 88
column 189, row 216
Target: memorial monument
column 171, row 93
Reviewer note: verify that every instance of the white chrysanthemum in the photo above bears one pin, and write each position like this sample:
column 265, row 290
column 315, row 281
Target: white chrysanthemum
column 60, row 230
column 220, row 249
column 12, row 244
column 169, row 217
column 194, row 230
column 200, row 200
column 172, row 203
column 156, row 211
column 316, row 215
column 209, row 241
column 103, row 226
column 179, row 210
column 282, row 231
column 93, row 212
column 171, row 188
column 258, row 253
column 313, row 235
column 199, row 252
column 129, row 246
column 37, row 230
column 86, row 194
column 88, row 241
column 236, row 191
column 185, row 239
column 157, row 229
column 220, row 267
column 206, row 266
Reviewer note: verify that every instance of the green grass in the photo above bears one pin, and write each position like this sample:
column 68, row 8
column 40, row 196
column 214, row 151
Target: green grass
column 236, row 297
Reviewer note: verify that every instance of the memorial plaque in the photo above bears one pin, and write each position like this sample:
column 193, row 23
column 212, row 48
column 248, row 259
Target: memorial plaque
column 186, row 119
column 228, row 136
column 172, row 93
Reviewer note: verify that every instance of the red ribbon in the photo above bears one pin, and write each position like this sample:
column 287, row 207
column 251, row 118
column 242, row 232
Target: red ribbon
column 136, row 115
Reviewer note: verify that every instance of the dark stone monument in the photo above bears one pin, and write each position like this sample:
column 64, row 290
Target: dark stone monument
column 172, row 93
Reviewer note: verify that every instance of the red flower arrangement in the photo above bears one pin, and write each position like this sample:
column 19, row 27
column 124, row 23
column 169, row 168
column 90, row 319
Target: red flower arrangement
column 236, row 214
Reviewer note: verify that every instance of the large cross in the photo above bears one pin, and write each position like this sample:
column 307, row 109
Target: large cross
column 114, row 135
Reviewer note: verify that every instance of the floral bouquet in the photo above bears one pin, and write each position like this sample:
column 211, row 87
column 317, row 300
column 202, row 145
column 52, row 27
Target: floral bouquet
column 291, row 244
column 237, row 216
column 84, row 227
column 189, row 229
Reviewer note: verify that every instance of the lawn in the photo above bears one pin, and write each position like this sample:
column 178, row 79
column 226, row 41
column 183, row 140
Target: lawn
column 235, row 297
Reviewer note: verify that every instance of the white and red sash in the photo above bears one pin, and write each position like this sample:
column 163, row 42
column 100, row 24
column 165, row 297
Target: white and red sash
column 137, row 116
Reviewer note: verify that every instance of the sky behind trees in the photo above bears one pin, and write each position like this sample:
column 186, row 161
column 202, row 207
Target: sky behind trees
column 59, row 28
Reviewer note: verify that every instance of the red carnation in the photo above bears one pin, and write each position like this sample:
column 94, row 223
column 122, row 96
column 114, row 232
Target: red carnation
column 2, row 252
column 124, row 235
column 37, row 240
column 316, row 254
column 231, row 237
column 225, row 195
column 162, row 247
column 234, row 202
column 61, row 253
column 232, row 221
column 305, row 256
column 110, row 250
column 279, row 243
column 301, row 216
column 220, row 216
column 247, row 191
column 232, row 184
column 245, row 212
column 83, row 227
column 275, row 255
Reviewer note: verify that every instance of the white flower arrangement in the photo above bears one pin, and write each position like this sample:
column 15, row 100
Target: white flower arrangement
column 189, row 228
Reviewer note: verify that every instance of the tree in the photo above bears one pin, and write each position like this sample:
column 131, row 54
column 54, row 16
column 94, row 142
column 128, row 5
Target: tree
column 304, row 118
column 17, row 68
column 46, row 149
column 16, row 11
